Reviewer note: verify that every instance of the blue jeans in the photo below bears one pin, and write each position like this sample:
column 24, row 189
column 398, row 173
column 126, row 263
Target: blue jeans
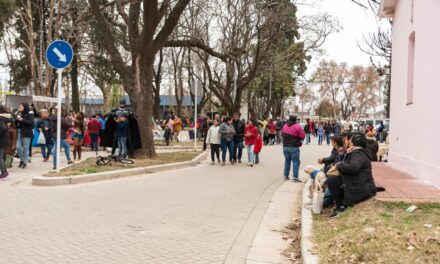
column 291, row 155
column 23, row 144
column 320, row 139
column 122, row 145
column 250, row 152
column 308, row 138
column 64, row 145
column 46, row 149
column 94, row 140
column 327, row 136
column 237, row 148
column 227, row 146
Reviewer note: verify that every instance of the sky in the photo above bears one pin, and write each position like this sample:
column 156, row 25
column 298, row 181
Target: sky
column 341, row 47
column 356, row 22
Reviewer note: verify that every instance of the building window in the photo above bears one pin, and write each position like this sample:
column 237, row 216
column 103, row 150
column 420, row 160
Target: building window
column 411, row 53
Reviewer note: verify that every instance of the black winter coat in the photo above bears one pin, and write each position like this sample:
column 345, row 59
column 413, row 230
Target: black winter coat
column 26, row 125
column 357, row 177
column 239, row 130
column 373, row 146
column 4, row 134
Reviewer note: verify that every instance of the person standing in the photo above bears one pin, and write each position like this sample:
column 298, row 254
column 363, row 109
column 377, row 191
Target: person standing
column 327, row 131
column 66, row 123
column 227, row 136
column 250, row 135
column 258, row 147
column 237, row 142
column 279, row 128
column 320, row 133
column 337, row 128
column 79, row 129
column 24, row 123
column 122, row 131
column 272, row 131
column 94, row 127
column 10, row 150
column 101, row 120
column 5, row 119
column 43, row 126
column 293, row 135
column 308, row 130
column 214, row 139
column 177, row 127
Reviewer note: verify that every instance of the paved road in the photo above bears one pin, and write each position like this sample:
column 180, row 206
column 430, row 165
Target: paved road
column 206, row 214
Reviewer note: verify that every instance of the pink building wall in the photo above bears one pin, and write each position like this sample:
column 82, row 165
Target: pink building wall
column 415, row 128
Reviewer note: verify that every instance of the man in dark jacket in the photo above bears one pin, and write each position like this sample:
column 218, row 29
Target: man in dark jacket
column 356, row 183
column 293, row 135
column 279, row 127
column 237, row 142
column 308, row 129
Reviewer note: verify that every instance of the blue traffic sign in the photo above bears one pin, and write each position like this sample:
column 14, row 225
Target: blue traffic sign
column 59, row 54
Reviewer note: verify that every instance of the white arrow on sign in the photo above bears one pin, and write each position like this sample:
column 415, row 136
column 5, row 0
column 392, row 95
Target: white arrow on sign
column 61, row 56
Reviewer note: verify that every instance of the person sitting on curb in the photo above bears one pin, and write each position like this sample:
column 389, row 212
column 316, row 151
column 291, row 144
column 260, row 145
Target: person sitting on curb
column 356, row 183
column 372, row 145
column 336, row 155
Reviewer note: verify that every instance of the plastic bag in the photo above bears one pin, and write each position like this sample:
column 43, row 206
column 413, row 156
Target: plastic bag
column 41, row 139
column 318, row 199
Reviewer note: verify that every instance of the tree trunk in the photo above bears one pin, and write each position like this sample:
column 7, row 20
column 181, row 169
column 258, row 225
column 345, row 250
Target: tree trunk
column 74, row 77
column 142, row 100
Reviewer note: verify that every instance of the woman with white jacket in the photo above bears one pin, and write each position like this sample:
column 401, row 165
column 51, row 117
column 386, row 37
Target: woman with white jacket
column 214, row 138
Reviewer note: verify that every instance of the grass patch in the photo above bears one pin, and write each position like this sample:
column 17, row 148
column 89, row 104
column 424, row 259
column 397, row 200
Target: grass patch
column 89, row 166
column 379, row 232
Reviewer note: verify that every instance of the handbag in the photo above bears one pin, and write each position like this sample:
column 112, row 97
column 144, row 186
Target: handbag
column 333, row 171
column 41, row 139
column 317, row 199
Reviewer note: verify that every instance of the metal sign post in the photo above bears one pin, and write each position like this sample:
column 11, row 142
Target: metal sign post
column 195, row 114
column 59, row 54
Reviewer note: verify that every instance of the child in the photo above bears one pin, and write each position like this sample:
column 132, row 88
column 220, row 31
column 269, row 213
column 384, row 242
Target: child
column 214, row 139
column 122, row 131
column 336, row 155
column 258, row 147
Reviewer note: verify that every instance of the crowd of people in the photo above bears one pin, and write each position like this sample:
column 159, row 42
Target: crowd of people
column 25, row 126
column 348, row 173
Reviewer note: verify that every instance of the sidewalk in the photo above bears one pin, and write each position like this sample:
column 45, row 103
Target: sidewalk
column 402, row 187
column 37, row 167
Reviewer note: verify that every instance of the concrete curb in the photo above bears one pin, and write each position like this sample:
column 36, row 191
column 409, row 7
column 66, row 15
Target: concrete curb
column 307, row 255
column 65, row 180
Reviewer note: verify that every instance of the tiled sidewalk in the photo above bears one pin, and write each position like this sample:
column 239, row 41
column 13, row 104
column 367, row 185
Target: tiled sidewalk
column 402, row 187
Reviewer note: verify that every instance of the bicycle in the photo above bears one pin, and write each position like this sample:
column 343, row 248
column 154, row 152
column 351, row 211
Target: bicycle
column 108, row 160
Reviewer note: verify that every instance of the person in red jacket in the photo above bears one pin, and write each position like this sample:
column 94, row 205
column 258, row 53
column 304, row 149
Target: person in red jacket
column 94, row 127
column 250, row 136
column 257, row 148
column 272, row 131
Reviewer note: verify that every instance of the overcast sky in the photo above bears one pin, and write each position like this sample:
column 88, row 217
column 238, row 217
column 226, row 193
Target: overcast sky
column 355, row 21
column 341, row 47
